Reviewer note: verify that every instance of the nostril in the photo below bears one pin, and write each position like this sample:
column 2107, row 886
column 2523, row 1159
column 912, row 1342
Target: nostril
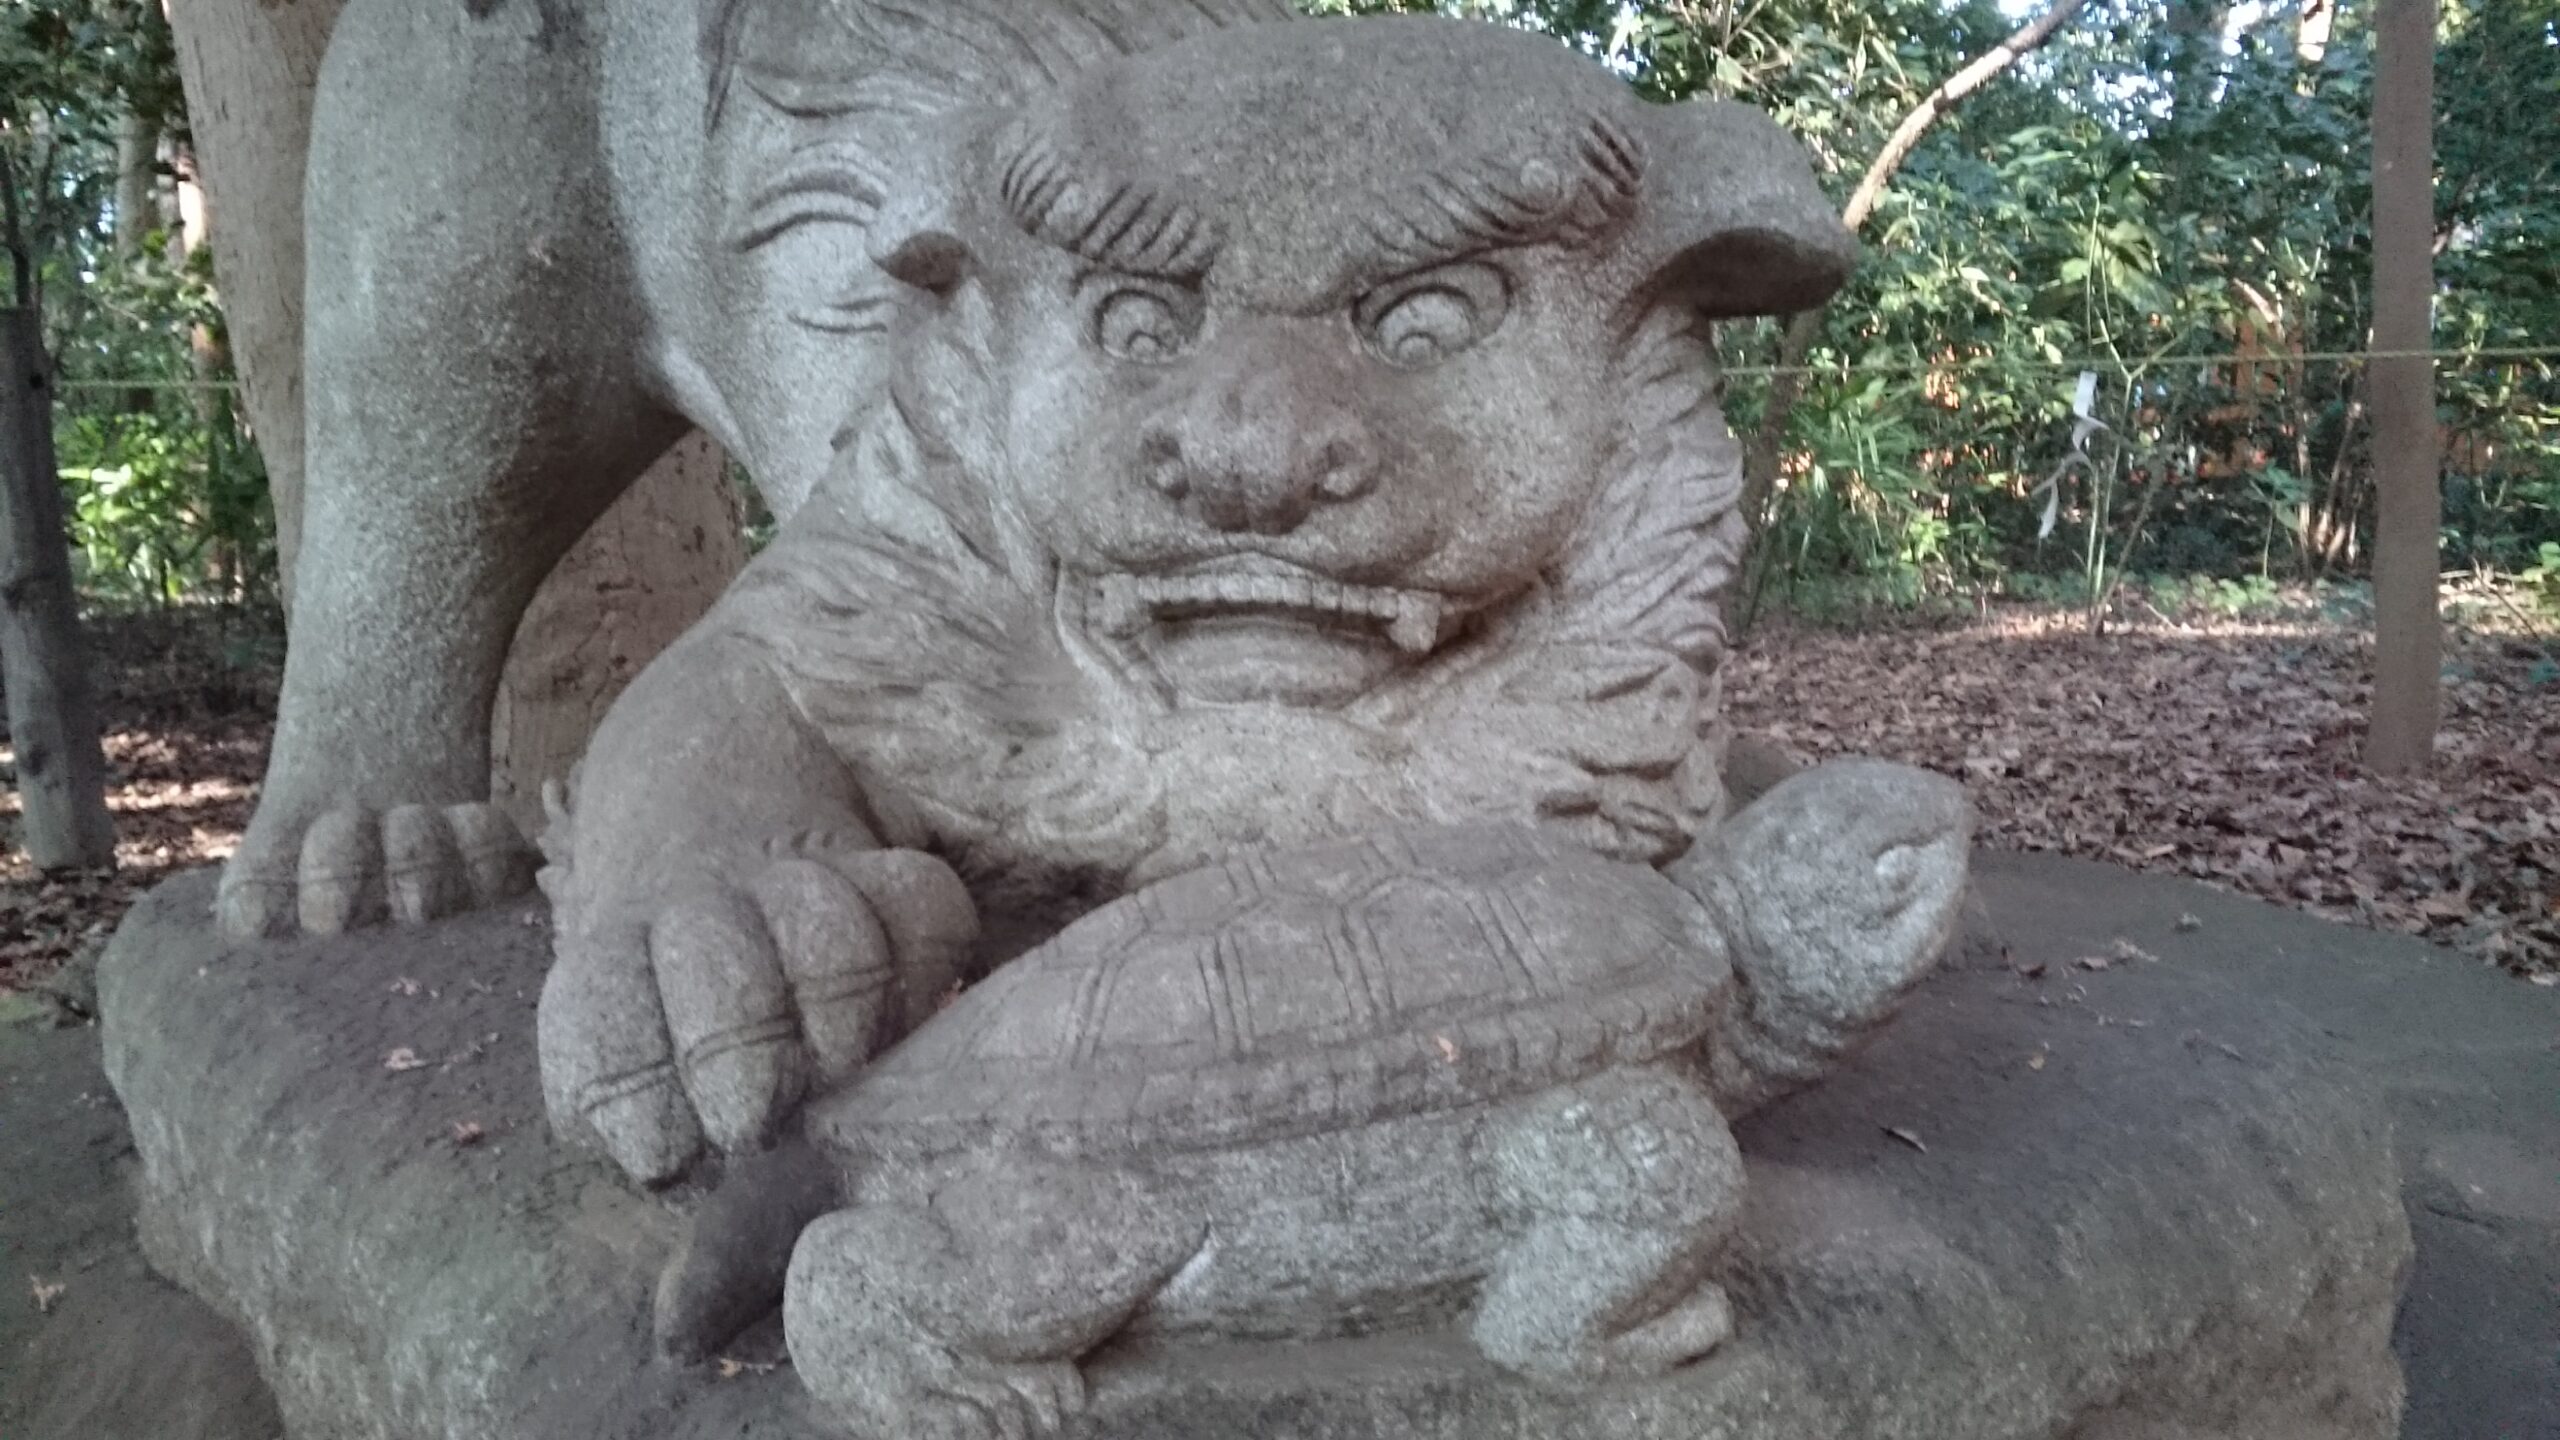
column 1160, row 461
column 1345, row 470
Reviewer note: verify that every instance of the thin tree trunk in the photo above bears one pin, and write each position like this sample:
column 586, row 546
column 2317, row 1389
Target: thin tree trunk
column 249, row 68
column 2408, row 639
column 137, row 182
column 1760, row 457
column 53, row 721
column 634, row 582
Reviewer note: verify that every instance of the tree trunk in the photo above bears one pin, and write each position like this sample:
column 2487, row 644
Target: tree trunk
column 249, row 68
column 137, row 181
column 634, row 582
column 53, row 722
column 1760, row 457
column 2407, row 635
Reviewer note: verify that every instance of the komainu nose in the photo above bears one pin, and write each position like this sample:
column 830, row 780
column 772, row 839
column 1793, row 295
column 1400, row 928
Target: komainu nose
column 1259, row 453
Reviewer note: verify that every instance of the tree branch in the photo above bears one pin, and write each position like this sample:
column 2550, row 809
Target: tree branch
column 1760, row 458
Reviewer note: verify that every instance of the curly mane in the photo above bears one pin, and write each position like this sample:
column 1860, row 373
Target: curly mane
column 919, row 636
column 828, row 58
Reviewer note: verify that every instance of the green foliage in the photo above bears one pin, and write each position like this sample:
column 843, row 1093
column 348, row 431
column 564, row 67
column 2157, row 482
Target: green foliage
column 2542, row 578
column 165, row 504
column 2160, row 182
column 164, row 492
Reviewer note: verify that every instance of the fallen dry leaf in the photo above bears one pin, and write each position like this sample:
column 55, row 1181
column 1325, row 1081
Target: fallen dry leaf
column 402, row 1060
column 1906, row 1137
column 2235, row 745
column 2036, row 1061
column 467, row 1133
column 1448, row 1049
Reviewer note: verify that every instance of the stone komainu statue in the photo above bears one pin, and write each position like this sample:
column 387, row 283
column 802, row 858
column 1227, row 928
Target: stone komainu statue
column 1288, row 535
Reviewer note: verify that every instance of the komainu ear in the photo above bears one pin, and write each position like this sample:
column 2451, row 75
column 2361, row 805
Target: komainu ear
column 1733, row 223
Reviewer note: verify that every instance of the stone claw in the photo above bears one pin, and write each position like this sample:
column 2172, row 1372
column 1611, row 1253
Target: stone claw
column 353, row 866
column 696, row 1014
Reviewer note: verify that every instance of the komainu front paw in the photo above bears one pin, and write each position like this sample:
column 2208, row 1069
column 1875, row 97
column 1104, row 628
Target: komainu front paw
column 342, row 869
column 701, row 1011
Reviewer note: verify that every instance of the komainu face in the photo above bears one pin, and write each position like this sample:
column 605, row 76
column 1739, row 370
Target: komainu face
column 1316, row 370
column 1306, row 425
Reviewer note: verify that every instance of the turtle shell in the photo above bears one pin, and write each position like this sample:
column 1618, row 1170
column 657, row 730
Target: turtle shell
column 1283, row 993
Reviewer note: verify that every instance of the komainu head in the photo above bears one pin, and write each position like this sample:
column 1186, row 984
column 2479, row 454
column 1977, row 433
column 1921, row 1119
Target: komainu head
column 1305, row 425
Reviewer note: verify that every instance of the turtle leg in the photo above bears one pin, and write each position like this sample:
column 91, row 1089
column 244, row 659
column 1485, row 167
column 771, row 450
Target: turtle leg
column 1619, row 1191
column 964, row 1317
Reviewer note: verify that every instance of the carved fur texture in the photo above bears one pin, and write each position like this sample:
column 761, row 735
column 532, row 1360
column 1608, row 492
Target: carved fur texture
column 925, row 641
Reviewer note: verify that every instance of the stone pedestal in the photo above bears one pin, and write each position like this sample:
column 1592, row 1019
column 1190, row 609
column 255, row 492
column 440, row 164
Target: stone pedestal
column 2128, row 1203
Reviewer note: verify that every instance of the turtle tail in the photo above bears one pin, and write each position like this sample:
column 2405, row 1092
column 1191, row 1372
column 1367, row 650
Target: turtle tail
column 1835, row 892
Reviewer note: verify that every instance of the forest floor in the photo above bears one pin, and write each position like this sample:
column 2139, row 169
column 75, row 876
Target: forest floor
column 2218, row 748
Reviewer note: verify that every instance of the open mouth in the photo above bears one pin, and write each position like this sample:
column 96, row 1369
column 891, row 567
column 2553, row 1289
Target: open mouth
column 1409, row 618
column 1267, row 631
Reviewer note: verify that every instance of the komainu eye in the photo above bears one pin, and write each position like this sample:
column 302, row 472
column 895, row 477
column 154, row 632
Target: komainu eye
column 1427, row 318
column 1143, row 325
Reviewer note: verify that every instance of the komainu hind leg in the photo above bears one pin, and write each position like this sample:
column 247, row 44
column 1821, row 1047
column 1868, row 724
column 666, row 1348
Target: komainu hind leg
column 1623, row 1189
column 475, row 400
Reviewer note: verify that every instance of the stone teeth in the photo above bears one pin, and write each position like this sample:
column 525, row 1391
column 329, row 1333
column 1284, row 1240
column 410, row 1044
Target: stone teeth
column 1124, row 605
column 1128, row 602
column 1417, row 624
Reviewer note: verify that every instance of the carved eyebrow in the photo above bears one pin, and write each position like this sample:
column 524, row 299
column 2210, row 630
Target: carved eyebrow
column 1510, row 204
column 822, row 180
column 1123, row 225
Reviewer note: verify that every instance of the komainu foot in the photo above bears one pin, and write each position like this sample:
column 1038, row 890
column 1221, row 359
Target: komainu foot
column 701, row 1010
column 345, row 868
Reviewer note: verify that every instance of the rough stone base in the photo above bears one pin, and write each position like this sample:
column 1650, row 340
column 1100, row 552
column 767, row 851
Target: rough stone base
column 2126, row 1203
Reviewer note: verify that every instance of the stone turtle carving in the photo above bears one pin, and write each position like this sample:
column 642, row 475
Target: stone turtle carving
column 1301, row 429
column 1376, row 1083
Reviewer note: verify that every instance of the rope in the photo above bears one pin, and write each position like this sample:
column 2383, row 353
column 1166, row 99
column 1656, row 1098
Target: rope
column 1876, row 367
column 2113, row 362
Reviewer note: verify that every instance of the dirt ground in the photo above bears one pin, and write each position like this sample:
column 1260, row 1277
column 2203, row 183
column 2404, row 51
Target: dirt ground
column 2194, row 745
column 2213, row 749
